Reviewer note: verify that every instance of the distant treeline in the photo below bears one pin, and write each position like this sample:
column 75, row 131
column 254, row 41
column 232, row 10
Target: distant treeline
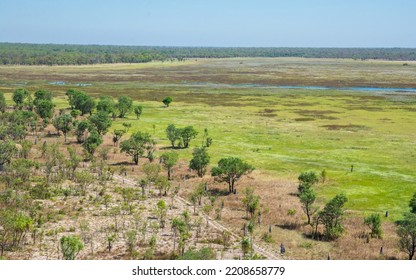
column 51, row 54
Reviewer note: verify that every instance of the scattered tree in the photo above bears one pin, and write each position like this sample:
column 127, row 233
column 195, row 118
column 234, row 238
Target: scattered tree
column 131, row 240
column 230, row 170
column 163, row 185
column 81, row 101
column 138, row 110
column 167, row 100
column 81, row 130
column 307, row 198
column 45, row 109
column 92, row 142
column 136, row 145
column 14, row 226
column 126, row 126
column 63, row 123
column 199, row 161
column 306, row 180
column 124, row 106
column 331, row 217
column 161, row 210
column 7, row 151
column 172, row 134
column 106, row 104
column 101, row 122
column 75, row 113
column 374, row 223
column 246, row 246
column 186, row 135
column 169, row 160
column 117, row 134
column 407, row 234
column 251, row 202
column 19, row 96
column 71, row 246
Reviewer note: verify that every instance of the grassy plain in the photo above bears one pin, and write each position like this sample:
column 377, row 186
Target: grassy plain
column 280, row 131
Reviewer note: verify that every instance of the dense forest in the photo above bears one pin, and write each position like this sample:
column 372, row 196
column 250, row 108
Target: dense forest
column 51, row 54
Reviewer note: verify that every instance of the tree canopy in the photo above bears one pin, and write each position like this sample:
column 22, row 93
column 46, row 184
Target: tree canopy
column 230, row 170
column 200, row 160
column 136, row 145
column 124, row 106
column 81, row 101
column 63, row 123
column 100, row 121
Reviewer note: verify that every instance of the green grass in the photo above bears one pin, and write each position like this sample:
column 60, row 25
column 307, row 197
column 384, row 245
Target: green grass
column 280, row 131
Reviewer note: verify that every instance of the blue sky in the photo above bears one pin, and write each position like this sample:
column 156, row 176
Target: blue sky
column 247, row 23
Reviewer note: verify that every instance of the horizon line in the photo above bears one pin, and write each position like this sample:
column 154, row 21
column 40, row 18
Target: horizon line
column 203, row 46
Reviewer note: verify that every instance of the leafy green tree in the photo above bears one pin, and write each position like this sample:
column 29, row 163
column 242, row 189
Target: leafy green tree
column 75, row 113
column 331, row 217
column 412, row 204
column 136, row 145
column 131, row 241
column 307, row 197
column 206, row 140
column 126, row 126
column 101, row 122
column 161, row 210
column 42, row 95
column 200, row 160
column 81, row 129
column 230, row 170
column 3, row 104
column 198, row 193
column 117, row 134
column 81, row 101
column 70, row 246
column 251, row 202
column 43, row 104
column 124, row 105
column 26, row 146
column 19, row 96
column 307, row 179
column 17, row 132
column 172, row 134
column 92, row 142
column 374, row 223
column 14, row 226
column 107, row 104
column 175, row 225
column 167, row 100
column 138, row 110
column 187, row 134
column 407, row 233
column 169, row 160
column 246, row 246
column 163, row 185
column 45, row 109
column 63, row 123
column 7, row 151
